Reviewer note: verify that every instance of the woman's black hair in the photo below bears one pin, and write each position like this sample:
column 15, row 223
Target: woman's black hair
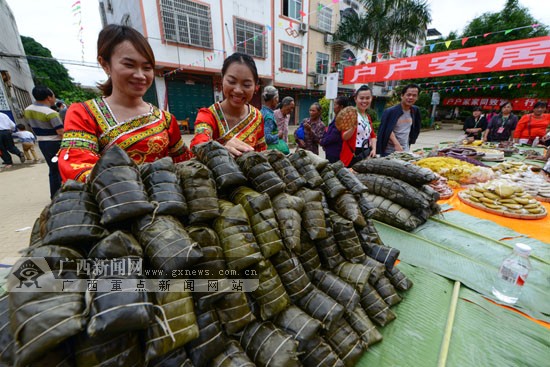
column 241, row 59
column 504, row 104
column 343, row 101
column 362, row 88
column 539, row 104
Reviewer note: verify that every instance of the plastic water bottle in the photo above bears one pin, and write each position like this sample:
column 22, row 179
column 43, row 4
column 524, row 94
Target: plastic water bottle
column 512, row 274
column 535, row 142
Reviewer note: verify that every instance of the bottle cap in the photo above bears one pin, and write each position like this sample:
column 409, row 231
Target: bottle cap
column 522, row 249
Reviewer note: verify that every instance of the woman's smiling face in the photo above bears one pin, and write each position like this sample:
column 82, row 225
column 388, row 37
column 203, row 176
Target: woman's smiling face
column 238, row 85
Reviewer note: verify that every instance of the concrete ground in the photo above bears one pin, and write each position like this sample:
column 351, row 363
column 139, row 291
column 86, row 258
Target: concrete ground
column 24, row 192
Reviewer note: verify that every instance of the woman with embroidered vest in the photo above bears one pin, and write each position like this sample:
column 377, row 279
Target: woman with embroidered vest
column 533, row 125
column 234, row 122
column 121, row 116
column 359, row 142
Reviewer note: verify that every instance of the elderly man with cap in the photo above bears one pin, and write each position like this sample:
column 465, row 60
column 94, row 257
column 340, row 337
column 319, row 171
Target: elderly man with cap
column 475, row 125
column 270, row 96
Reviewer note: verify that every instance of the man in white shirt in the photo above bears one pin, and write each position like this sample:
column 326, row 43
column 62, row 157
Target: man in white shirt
column 7, row 127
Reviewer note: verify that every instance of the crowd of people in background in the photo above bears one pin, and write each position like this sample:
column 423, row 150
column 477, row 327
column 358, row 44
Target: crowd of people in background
column 72, row 139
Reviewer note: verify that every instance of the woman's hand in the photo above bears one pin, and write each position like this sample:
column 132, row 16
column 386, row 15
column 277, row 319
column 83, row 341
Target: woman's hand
column 237, row 147
column 301, row 143
column 373, row 149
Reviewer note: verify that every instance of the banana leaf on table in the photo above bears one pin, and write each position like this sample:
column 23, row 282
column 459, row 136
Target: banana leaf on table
column 471, row 258
column 483, row 334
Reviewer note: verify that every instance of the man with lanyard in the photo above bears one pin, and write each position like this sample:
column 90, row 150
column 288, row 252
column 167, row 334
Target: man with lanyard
column 475, row 125
column 48, row 128
column 400, row 124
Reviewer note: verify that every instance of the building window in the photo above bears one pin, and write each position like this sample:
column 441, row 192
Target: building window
column 324, row 19
column 292, row 58
column 249, row 38
column 321, row 63
column 292, row 8
column 186, row 22
column 347, row 59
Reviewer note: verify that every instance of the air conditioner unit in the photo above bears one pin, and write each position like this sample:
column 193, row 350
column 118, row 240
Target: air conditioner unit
column 320, row 79
column 329, row 38
column 303, row 28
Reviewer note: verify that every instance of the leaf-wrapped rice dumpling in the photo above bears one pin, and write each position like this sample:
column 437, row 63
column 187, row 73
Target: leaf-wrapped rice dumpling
column 405, row 171
column 73, row 218
column 199, row 190
column 210, row 342
column 166, row 243
column 366, row 207
column 120, row 310
column 59, row 257
column 212, row 264
column 345, row 342
column 377, row 269
column 386, row 290
column 328, row 249
column 301, row 161
column 332, row 187
column 393, row 214
column 61, row 356
column 224, row 168
column 355, row 274
column 163, row 187
column 342, row 292
column 399, row 280
column 285, row 170
column 347, row 207
column 269, row 346
column 236, row 238
column 40, row 321
column 362, row 325
column 178, row 317
column 384, row 254
column 375, row 307
column 309, row 256
column 118, row 244
column 316, row 160
column 7, row 342
column 348, row 178
column 347, row 239
column 313, row 215
column 292, row 273
column 321, row 306
column 262, row 219
column 288, row 211
column 316, row 352
column 298, row 323
column 117, row 350
column 270, row 294
column 260, row 173
column 177, row 358
column 233, row 356
column 234, row 312
column 116, row 184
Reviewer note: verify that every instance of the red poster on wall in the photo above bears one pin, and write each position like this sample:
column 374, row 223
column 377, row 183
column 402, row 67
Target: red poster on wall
column 522, row 54
column 518, row 104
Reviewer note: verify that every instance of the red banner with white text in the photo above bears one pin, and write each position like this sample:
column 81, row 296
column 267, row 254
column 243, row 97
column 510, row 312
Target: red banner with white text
column 523, row 54
column 518, row 104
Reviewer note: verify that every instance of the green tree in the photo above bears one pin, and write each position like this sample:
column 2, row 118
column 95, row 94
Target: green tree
column 45, row 69
column 384, row 22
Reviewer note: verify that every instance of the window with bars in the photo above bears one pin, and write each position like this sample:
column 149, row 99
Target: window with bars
column 186, row 22
column 249, row 38
column 292, row 8
column 324, row 19
column 321, row 63
column 292, row 58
